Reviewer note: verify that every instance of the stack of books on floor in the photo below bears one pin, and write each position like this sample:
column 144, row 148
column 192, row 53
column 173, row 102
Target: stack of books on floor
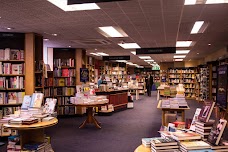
column 13, row 144
column 164, row 144
column 204, row 128
column 192, row 146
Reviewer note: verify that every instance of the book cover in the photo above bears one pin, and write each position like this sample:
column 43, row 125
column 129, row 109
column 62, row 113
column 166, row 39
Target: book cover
column 65, row 72
column 206, row 111
column 147, row 141
column 12, row 97
column 217, row 131
column 61, row 82
column 49, row 106
column 26, row 102
column 195, row 118
column 2, row 95
column 37, row 99
column 194, row 145
column 163, row 141
column 185, row 135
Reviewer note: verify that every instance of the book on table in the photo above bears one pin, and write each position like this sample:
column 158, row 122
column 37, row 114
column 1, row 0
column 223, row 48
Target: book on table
column 163, row 142
column 185, row 136
column 195, row 118
column 206, row 111
column 205, row 125
column 26, row 102
column 37, row 99
column 194, row 145
column 217, row 131
column 49, row 106
column 147, row 141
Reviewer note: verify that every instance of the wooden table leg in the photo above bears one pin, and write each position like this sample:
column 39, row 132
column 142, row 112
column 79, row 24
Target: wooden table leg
column 137, row 94
column 90, row 119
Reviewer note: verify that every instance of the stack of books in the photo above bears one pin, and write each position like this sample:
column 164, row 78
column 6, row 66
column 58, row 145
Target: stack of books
column 13, row 143
column 180, row 136
column 29, row 121
column 223, row 146
column 204, row 128
column 34, row 146
column 146, row 142
column 186, row 146
column 164, row 144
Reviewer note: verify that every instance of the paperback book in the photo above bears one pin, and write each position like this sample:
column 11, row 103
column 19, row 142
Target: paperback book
column 49, row 106
column 206, row 111
column 147, row 141
column 194, row 145
column 163, row 142
column 26, row 102
column 37, row 99
column 185, row 136
column 195, row 118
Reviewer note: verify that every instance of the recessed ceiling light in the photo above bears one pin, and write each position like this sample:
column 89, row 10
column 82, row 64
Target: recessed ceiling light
column 55, row 34
column 196, row 27
column 182, row 51
column 45, row 39
column 189, row 2
column 95, row 54
column 133, row 52
column 110, row 31
column 178, row 59
column 151, row 60
column 69, row 46
column 179, row 56
column 198, row 53
column 9, row 28
column 129, row 45
column 216, row 1
column 0, row 17
column 62, row 4
column 95, row 49
column 144, row 57
column 209, row 44
column 102, row 54
column 183, row 43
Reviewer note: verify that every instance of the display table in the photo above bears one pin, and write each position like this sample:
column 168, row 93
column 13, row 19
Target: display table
column 164, row 110
column 90, row 115
column 118, row 98
column 33, row 132
column 141, row 148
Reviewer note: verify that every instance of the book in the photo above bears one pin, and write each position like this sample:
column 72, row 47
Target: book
column 49, row 106
column 205, row 125
column 29, row 121
column 37, row 99
column 26, row 102
column 163, row 142
column 47, row 119
column 206, row 111
column 217, row 131
column 147, row 141
column 194, row 145
column 185, row 136
column 195, row 118
column 165, row 147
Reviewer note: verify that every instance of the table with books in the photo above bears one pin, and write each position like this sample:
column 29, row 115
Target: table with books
column 142, row 148
column 171, row 107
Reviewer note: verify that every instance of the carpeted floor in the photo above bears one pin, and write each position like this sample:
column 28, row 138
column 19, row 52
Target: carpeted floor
column 121, row 132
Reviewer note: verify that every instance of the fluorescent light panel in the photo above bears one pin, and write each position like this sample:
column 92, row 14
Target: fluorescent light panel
column 121, row 61
column 151, row 60
column 183, row 43
column 189, row 2
column 62, row 4
column 197, row 26
column 178, row 60
column 95, row 54
column 111, row 31
column 182, row 51
column 144, row 57
column 179, row 56
column 102, row 54
column 129, row 45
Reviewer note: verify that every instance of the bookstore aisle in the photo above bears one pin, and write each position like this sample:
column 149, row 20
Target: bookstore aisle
column 121, row 132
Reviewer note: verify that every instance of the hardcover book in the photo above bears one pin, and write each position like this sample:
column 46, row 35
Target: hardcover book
column 185, row 136
column 195, row 118
column 37, row 99
column 49, row 106
column 26, row 102
column 206, row 111
column 194, row 145
column 163, row 141
column 147, row 141
column 217, row 131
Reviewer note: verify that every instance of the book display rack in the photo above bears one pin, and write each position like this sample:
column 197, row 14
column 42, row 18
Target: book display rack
column 204, row 83
column 90, row 65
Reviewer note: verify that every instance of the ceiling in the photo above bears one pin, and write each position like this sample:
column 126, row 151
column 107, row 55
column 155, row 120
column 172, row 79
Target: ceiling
column 149, row 23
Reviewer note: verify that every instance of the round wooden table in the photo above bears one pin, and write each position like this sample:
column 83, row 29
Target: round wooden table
column 33, row 132
column 142, row 148
column 90, row 115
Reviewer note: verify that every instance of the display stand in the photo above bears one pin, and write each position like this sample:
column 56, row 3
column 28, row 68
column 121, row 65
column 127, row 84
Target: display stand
column 33, row 132
column 165, row 110
column 141, row 148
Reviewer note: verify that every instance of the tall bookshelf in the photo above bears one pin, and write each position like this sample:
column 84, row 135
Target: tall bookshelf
column 163, row 75
column 212, row 79
column 185, row 76
column 90, row 65
column 204, row 82
column 64, row 79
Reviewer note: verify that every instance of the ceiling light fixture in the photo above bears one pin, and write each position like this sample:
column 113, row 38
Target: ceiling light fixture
column 45, row 39
column 95, row 54
column 144, row 57
column 129, row 45
column 62, row 4
column 110, row 31
column 183, row 43
column 54, row 34
column 216, row 1
column 179, row 56
column 69, row 46
column 151, row 60
column 121, row 61
column 182, row 51
column 209, row 44
column 196, row 27
column 102, row 54
column 198, row 53
column 133, row 52
column 189, row 2
column 9, row 28
column 178, row 59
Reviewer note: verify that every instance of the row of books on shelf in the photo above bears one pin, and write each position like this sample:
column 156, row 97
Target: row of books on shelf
column 11, row 54
column 12, row 82
column 64, row 62
column 181, row 71
column 64, row 91
column 9, row 68
column 64, row 72
column 119, row 68
column 64, row 81
column 11, row 97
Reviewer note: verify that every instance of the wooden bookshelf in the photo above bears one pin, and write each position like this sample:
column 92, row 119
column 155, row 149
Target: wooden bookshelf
column 90, row 65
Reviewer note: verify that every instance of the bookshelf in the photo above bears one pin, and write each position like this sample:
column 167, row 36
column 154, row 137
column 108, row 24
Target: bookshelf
column 204, row 82
column 141, row 85
column 156, row 75
column 185, row 76
column 90, row 65
column 62, row 85
column 163, row 75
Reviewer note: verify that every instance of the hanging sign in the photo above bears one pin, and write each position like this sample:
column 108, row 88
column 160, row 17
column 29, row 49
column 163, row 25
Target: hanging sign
column 160, row 50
